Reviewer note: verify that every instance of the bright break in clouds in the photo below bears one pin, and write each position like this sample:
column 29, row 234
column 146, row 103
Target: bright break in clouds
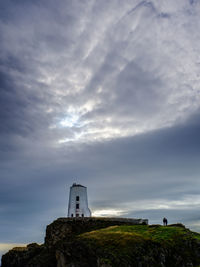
column 103, row 93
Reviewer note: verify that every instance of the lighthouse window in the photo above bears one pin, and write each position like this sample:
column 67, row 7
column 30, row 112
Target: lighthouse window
column 77, row 206
column 77, row 198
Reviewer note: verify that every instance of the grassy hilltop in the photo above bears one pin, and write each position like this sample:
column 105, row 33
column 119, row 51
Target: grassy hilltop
column 116, row 245
column 145, row 245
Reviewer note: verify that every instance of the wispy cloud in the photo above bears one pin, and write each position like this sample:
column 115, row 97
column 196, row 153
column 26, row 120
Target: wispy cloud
column 119, row 69
column 104, row 93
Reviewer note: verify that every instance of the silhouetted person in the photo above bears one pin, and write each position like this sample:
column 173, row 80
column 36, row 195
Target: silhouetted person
column 164, row 221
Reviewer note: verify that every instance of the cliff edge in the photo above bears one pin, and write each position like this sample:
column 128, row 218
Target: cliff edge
column 107, row 242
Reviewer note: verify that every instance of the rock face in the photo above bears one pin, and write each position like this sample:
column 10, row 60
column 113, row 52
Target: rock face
column 66, row 228
column 106, row 242
column 33, row 255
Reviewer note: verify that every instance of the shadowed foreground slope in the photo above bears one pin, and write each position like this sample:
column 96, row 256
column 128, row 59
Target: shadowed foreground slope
column 105, row 243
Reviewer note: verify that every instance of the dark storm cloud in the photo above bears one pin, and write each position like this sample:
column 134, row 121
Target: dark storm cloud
column 12, row 107
column 156, row 168
column 107, row 74
column 101, row 93
column 21, row 112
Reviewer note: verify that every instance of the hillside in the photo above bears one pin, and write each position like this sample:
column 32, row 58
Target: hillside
column 106, row 243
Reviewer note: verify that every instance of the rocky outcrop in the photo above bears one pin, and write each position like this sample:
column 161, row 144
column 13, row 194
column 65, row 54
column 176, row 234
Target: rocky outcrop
column 66, row 228
column 33, row 255
column 99, row 242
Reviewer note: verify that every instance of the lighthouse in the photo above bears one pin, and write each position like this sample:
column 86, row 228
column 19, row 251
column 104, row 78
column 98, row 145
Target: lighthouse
column 78, row 201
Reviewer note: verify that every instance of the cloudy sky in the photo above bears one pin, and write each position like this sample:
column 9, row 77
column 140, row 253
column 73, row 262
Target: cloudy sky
column 102, row 93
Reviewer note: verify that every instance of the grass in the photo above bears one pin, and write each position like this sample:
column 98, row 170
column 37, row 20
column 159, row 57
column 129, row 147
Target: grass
column 137, row 233
column 122, row 245
column 116, row 244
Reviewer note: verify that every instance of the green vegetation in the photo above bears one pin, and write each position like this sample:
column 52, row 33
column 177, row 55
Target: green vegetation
column 155, row 233
column 105, row 244
column 125, row 245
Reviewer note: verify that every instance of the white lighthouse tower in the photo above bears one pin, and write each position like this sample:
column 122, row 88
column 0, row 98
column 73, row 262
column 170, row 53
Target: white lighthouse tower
column 78, row 201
